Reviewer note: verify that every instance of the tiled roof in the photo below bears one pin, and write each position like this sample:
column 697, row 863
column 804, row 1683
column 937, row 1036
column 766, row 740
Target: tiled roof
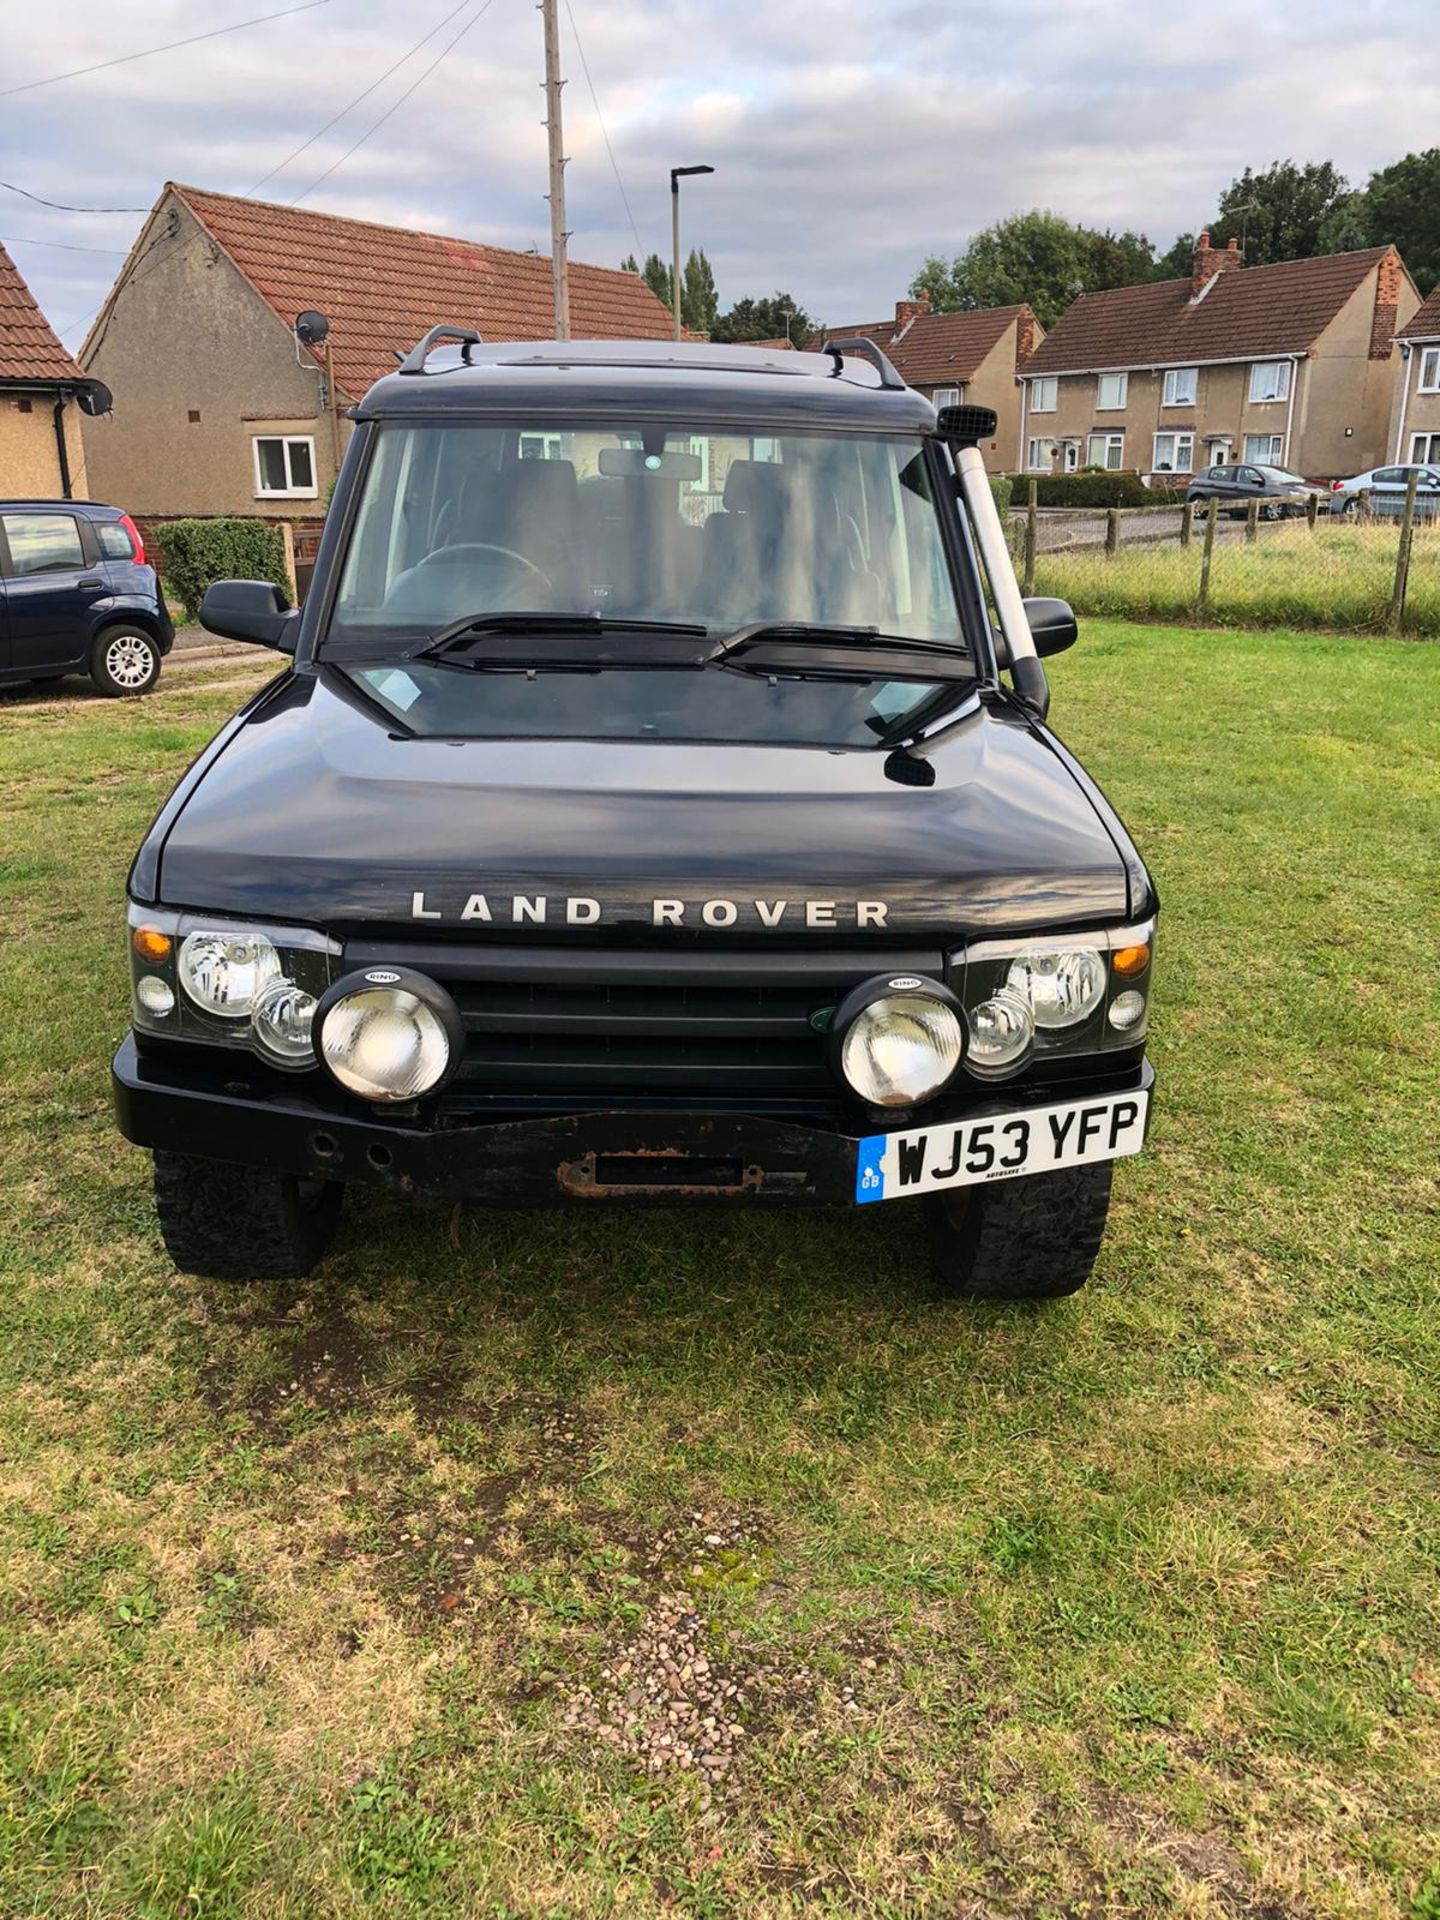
column 937, row 349
column 383, row 287
column 29, row 349
column 1424, row 325
column 1247, row 313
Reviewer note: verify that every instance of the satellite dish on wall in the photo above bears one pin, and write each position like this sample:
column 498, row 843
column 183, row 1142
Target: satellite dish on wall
column 94, row 397
column 311, row 327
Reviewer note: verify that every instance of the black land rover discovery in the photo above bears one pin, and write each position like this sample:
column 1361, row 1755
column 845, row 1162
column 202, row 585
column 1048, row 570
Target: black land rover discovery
column 658, row 807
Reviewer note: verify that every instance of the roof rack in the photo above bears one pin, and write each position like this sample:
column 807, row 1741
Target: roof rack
column 414, row 361
column 837, row 349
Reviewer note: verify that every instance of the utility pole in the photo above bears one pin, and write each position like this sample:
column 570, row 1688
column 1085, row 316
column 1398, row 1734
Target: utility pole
column 559, row 264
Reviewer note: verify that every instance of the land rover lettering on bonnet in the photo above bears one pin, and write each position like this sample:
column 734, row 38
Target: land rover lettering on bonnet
column 657, row 804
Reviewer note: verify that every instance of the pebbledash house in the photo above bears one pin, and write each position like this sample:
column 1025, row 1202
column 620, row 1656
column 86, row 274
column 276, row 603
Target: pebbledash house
column 1415, row 438
column 1291, row 365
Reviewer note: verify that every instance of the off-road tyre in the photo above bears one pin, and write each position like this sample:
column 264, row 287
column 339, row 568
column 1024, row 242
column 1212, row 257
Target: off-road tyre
column 1034, row 1238
column 221, row 1221
column 124, row 662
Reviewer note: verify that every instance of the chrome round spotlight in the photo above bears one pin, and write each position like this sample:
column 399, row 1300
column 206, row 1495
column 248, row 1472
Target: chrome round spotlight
column 898, row 1041
column 388, row 1034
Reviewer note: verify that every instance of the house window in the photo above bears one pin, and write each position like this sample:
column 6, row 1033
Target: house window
column 1040, row 456
column 1042, row 395
column 1270, row 380
column 1110, row 392
column 285, row 466
column 1180, row 386
column 1174, row 452
column 945, row 397
column 1425, row 449
column 1430, row 370
column 1265, row 449
column 1105, row 450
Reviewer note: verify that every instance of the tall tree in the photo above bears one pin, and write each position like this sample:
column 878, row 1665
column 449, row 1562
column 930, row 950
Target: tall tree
column 1281, row 212
column 778, row 318
column 1400, row 206
column 654, row 273
column 697, row 294
column 1039, row 257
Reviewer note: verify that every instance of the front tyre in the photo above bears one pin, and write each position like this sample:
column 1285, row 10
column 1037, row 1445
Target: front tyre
column 1034, row 1238
column 221, row 1221
column 125, row 662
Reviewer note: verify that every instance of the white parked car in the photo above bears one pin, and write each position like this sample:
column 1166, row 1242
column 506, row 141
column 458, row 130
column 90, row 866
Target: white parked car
column 1386, row 488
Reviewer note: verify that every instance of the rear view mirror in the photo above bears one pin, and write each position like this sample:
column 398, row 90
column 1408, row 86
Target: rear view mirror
column 254, row 611
column 1052, row 625
column 625, row 463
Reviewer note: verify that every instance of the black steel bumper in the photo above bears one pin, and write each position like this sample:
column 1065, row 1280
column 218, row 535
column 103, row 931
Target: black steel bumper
column 655, row 1156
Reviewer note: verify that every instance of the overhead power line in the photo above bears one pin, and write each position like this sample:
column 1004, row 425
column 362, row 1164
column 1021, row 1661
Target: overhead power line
column 350, row 105
column 604, row 134
column 61, row 206
column 123, row 59
column 376, row 125
column 60, row 246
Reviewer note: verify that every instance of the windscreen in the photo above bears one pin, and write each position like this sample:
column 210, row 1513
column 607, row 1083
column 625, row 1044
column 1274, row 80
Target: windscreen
column 721, row 528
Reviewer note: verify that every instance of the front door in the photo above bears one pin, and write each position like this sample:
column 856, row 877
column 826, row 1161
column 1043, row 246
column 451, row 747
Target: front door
column 1072, row 456
column 52, row 582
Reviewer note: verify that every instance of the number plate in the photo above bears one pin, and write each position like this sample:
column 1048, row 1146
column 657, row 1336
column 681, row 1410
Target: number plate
column 1003, row 1146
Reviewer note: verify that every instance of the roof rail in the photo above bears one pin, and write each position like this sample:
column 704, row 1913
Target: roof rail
column 414, row 361
column 837, row 349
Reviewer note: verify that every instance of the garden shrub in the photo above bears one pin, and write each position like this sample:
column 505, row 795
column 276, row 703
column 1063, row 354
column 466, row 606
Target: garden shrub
column 193, row 553
column 1092, row 489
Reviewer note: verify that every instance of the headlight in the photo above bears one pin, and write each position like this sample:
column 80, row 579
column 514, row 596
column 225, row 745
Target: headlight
column 1062, row 985
column 897, row 1043
column 389, row 1035
column 1001, row 1029
column 282, row 1019
column 225, row 972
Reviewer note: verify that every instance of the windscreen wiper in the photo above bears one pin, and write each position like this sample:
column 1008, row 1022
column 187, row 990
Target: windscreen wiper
column 460, row 635
column 812, row 649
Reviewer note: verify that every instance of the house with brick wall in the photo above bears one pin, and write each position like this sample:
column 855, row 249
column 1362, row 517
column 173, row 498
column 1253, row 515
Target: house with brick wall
column 220, row 409
column 1290, row 365
column 42, row 455
column 973, row 357
column 1415, row 428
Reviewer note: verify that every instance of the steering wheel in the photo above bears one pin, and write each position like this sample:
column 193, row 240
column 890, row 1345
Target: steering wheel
column 459, row 555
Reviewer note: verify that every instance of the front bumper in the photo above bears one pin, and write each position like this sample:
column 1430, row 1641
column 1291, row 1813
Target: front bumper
column 657, row 1156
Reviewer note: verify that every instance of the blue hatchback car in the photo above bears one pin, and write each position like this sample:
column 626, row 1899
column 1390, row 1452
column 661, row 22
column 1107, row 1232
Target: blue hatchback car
column 77, row 596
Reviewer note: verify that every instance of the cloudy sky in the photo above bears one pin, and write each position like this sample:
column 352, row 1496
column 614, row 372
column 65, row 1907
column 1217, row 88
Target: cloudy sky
column 850, row 137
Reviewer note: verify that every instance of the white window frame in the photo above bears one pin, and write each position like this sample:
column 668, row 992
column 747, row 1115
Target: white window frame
column 1260, row 370
column 700, row 447
column 291, row 492
column 1044, row 393
column 1425, row 450
column 1032, row 465
column 1429, row 370
column 945, row 397
column 1102, row 405
column 1177, row 435
column 1275, row 458
column 1113, row 443
column 1181, row 386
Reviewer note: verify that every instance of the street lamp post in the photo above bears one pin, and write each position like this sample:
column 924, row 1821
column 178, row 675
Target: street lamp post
column 676, row 175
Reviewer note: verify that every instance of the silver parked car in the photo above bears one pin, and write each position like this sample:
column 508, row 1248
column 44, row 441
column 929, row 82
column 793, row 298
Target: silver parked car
column 1386, row 489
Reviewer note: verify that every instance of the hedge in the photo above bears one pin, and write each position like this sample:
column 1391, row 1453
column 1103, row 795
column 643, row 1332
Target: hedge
column 1091, row 490
column 193, row 553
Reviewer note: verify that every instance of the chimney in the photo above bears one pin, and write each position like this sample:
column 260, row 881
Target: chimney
column 908, row 310
column 1026, row 337
column 1388, row 275
column 1209, row 261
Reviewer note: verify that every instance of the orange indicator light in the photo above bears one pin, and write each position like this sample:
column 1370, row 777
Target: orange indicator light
column 151, row 944
column 1128, row 961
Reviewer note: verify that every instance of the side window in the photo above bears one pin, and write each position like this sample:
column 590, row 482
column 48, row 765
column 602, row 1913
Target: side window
column 42, row 543
column 114, row 541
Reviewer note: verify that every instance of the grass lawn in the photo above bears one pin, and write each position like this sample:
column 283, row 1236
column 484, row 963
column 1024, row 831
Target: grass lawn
column 330, row 1600
column 1339, row 576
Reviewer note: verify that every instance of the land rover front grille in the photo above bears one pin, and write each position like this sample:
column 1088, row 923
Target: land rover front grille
column 599, row 1024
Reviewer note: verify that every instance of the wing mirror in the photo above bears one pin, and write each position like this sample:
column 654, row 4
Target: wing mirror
column 1053, row 628
column 254, row 611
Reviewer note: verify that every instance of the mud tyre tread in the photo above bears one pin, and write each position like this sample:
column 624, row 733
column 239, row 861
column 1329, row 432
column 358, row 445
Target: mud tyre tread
column 222, row 1221
column 1029, row 1239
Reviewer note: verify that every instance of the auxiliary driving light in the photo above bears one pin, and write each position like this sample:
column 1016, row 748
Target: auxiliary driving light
column 897, row 1042
column 388, row 1034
